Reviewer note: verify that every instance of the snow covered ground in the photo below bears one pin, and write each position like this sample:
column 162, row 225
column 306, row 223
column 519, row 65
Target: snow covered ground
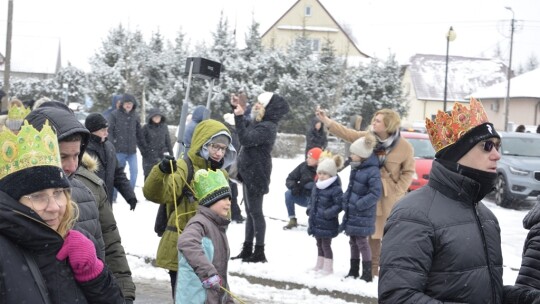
column 290, row 254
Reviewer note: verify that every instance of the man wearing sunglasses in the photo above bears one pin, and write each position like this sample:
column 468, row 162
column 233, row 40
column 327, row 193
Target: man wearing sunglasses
column 441, row 243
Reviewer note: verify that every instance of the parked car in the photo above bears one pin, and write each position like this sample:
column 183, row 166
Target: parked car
column 423, row 156
column 518, row 169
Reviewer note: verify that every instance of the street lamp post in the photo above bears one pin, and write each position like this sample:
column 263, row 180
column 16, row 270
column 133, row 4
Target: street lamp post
column 509, row 74
column 450, row 36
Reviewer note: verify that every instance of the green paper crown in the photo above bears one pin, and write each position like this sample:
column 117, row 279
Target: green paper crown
column 210, row 186
column 16, row 112
column 29, row 148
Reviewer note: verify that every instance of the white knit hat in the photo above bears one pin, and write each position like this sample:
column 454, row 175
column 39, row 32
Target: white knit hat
column 363, row 146
column 265, row 98
column 330, row 165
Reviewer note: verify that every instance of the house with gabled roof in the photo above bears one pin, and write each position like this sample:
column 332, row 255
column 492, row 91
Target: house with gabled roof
column 32, row 57
column 524, row 101
column 312, row 19
column 423, row 82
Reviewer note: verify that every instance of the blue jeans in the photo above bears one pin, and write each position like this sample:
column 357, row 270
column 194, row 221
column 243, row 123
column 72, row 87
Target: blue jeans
column 131, row 159
column 291, row 200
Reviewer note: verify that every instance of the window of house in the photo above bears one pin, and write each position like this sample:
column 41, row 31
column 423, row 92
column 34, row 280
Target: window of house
column 308, row 11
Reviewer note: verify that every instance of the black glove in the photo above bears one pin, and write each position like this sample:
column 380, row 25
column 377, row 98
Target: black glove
column 296, row 190
column 521, row 294
column 132, row 203
column 165, row 165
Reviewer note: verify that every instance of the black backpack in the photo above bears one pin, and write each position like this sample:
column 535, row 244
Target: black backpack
column 162, row 217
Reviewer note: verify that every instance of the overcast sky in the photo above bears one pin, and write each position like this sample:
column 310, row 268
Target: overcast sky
column 379, row 26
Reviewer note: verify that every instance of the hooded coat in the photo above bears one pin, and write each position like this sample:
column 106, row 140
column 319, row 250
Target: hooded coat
column 316, row 138
column 360, row 199
column 161, row 188
column 125, row 129
column 22, row 230
column 452, row 252
column 257, row 140
column 529, row 272
column 115, row 255
column 65, row 124
column 157, row 141
column 323, row 210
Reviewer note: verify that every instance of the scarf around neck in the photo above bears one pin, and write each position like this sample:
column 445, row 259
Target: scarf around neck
column 384, row 146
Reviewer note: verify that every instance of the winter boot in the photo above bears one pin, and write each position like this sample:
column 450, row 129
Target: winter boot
column 328, row 267
column 247, row 251
column 257, row 256
column 320, row 263
column 292, row 224
column 366, row 271
column 354, row 272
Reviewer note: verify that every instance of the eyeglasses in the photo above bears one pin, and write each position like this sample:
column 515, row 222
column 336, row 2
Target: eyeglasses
column 40, row 201
column 216, row 148
column 488, row 145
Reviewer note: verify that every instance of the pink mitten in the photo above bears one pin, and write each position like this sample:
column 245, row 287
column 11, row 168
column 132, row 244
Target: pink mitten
column 81, row 255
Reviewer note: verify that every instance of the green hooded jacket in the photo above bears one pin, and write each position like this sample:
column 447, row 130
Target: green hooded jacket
column 161, row 188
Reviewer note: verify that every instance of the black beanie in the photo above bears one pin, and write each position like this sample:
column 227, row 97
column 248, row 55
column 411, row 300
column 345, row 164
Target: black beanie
column 467, row 141
column 95, row 121
column 33, row 179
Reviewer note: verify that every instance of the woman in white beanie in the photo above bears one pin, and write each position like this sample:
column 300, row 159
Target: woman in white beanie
column 323, row 210
column 360, row 204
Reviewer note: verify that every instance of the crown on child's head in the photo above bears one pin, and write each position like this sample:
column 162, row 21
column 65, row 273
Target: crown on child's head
column 16, row 112
column 210, row 186
column 446, row 128
column 28, row 148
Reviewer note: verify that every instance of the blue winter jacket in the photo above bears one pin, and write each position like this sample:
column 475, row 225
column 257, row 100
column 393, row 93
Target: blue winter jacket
column 360, row 199
column 323, row 210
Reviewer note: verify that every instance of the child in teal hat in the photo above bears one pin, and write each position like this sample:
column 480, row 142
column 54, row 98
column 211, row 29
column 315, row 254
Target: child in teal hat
column 203, row 246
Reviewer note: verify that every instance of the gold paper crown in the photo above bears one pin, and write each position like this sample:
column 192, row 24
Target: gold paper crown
column 16, row 112
column 29, row 148
column 446, row 129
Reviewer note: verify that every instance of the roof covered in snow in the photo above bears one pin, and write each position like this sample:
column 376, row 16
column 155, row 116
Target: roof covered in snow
column 465, row 76
column 39, row 55
column 524, row 85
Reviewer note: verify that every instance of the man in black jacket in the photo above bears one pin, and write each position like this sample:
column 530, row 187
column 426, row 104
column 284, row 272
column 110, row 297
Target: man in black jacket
column 441, row 243
column 109, row 171
column 299, row 184
column 73, row 140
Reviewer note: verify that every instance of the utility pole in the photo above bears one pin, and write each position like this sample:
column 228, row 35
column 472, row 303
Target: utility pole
column 509, row 74
column 7, row 66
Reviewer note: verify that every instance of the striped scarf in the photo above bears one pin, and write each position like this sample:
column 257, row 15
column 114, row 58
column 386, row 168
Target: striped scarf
column 384, row 146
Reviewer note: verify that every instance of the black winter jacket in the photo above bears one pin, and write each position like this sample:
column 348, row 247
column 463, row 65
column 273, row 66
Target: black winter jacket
column 108, row 170
column 441, row 245
column 301, row 179
column 360, row 199
column 257, row 140
column 316, row 138
column 323, row 210
column 21, row 229
column 125, row 131
column 156, row 140
column 529, row 272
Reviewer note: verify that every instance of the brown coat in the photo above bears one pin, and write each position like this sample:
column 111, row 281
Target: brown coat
column 396, row 174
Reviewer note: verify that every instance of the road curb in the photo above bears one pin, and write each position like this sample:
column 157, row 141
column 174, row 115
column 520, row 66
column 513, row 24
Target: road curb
column 354, row 298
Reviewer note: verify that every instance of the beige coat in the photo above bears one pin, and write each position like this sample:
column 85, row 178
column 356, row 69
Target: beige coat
column 396, row 174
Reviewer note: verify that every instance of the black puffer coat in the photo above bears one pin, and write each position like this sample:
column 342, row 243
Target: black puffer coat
column 156, row 140
column 529, row 272
column 108, row 169
column 323, row 210
column 22, row 229
column 316, row 138
column 257, row 140
column 441, row 245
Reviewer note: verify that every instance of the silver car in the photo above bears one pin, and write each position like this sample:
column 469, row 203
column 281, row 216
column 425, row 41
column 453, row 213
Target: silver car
column 518, row 169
